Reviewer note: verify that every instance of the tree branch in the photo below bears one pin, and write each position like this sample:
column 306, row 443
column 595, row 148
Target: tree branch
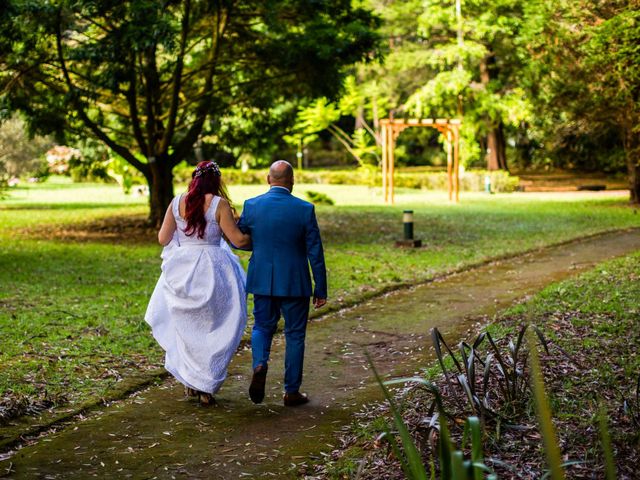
column 337, row 134
column 133, row 107
column 203, row 108
column 92, row 126
column 177, row 80
column 150, row 75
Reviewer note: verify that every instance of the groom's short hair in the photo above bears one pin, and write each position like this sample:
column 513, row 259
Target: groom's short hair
column 281, row 170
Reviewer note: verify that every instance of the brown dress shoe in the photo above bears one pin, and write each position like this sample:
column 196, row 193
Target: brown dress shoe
column 294, row 399
column 256, row 389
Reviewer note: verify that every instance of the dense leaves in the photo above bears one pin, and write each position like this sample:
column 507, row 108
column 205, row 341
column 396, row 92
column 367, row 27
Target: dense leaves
column 151, row 79
column 584, row 75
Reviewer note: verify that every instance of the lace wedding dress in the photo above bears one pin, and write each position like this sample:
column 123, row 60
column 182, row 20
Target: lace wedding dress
column 198, row 310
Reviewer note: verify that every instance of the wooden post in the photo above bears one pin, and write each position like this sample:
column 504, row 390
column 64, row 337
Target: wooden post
column 391, row 128
column 392, row 161
column 456, row 161
column 449, row 163
column 385, row 159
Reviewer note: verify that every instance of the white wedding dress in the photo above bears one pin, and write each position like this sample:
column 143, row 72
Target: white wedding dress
column 198, row 310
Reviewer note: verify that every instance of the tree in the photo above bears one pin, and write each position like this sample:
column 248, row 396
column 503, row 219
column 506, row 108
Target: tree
column 150, row 78
column 584, row 72
column 443, row 61
column 471, row 51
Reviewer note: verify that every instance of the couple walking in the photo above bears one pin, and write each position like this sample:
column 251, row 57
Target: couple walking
column 198, row 310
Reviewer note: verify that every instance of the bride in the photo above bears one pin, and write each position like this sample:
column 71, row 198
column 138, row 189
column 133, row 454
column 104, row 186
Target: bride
column 198, row 310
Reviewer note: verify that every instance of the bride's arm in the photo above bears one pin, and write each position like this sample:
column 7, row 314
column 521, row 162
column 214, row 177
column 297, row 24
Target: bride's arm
column 229, row 227
column 165, row 235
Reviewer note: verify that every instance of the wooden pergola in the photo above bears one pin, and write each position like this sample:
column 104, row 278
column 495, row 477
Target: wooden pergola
column 391, row 128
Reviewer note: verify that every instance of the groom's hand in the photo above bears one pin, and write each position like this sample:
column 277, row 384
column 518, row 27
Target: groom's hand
column 319, row 302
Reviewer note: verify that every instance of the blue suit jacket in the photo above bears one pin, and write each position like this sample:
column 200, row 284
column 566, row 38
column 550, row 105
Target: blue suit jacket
column 285, row 240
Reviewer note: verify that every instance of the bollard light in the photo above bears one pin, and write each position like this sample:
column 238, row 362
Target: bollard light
column 408, row 241
column 407, row 220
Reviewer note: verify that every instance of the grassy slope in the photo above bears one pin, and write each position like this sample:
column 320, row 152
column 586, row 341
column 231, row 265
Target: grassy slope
column 595, row 319
column 71, row 312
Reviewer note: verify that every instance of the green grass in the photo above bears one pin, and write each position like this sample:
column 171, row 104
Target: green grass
column 594, row 319
column 71, row 312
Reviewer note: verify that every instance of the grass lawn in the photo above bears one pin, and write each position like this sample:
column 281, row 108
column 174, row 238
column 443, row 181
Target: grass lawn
column 593, row 319
column 77, row 267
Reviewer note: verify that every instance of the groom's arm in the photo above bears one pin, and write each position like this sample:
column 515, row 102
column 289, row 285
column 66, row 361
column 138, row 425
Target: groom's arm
column 243, row 225
column 315, row 254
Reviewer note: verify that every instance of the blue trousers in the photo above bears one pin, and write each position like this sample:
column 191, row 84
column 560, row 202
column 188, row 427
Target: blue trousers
column 266, row 312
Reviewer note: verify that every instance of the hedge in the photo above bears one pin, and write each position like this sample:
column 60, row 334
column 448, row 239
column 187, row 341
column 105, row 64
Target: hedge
column 471, row 180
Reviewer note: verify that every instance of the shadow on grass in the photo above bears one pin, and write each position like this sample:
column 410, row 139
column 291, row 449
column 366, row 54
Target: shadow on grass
column 66, row 206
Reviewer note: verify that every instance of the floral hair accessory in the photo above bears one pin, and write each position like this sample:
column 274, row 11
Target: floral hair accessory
column 207, row 167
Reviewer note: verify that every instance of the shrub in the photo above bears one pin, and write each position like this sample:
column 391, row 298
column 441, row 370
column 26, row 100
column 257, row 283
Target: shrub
column 21, row 156
column 318, row 198
column 472, row 180
column 84, row 169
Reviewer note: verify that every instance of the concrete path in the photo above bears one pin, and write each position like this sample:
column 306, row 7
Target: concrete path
column 158, row 434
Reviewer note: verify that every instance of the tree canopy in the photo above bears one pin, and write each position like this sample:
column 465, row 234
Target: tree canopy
column 542, row 82
column 151, row 78
column 536, row 83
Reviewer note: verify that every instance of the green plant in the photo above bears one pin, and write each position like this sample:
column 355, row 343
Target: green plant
column 465, row 371
column 473, row 370
column 543, row 409
column 453, row 465
column 318, row 198
column 512, row 382
column 369, row 175
column 605, row 440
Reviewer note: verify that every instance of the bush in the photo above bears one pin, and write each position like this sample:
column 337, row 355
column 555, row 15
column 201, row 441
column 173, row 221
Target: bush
column 318, row 198
column 22, row 156
column 84, row 169
column 472, row 180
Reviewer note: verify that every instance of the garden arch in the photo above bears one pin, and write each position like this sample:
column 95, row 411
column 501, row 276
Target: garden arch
column 391, row 128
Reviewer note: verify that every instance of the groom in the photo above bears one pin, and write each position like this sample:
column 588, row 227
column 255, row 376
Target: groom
column 286, row 240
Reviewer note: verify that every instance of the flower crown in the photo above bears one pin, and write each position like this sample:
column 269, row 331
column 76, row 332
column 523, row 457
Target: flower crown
column 207, row 167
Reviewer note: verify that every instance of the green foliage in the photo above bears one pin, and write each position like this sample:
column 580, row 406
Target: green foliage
column 409, row 457
column 605, row 442
column 152, row 79
column 472, row 370
column 93, row 163
column 452, row 463
column 583, row 71
column 123, row 173
column 543, row 409
column 318, row 198
column 20, row 154
column 470, row 180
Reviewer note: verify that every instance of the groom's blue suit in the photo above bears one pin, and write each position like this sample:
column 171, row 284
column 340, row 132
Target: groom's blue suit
column 285, row 241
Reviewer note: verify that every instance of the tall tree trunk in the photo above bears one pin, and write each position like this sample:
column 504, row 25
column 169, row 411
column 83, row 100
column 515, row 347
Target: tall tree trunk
column 632, row 154
column 496, row 145
column 160, row 189
column 496, row 149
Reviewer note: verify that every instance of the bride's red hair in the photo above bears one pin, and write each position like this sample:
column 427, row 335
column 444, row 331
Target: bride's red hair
column 206, row 179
